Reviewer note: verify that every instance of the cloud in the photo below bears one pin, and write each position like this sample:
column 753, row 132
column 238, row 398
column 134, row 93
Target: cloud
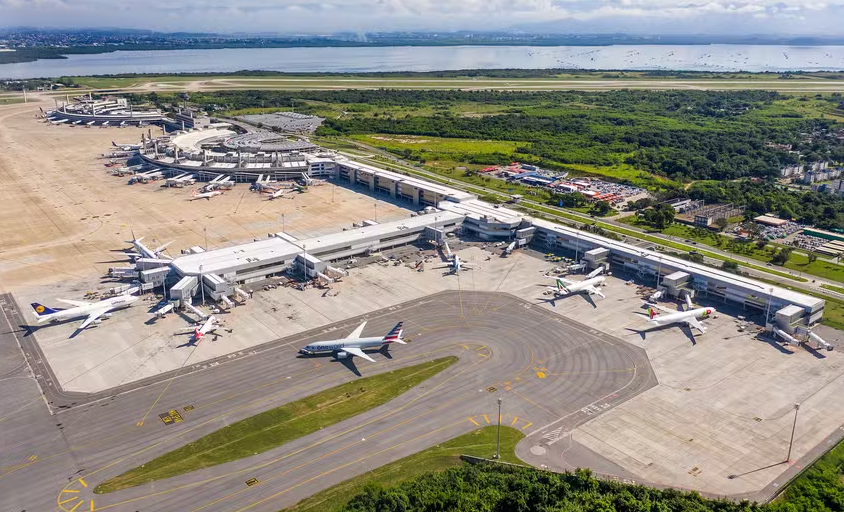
column 322, row 16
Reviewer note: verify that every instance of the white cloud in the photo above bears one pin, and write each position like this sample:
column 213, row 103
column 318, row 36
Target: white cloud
column 384, row 15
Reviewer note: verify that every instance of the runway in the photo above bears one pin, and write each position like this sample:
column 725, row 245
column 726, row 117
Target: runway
column 547, row 369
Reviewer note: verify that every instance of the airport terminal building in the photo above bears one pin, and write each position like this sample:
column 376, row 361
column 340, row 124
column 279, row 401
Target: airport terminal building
column 220, row 271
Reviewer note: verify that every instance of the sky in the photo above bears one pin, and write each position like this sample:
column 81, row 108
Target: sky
column 784, row 17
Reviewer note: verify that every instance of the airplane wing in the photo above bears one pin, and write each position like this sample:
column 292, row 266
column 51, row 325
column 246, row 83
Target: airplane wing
column 357, row 332
column 75, row 302
column 93, row 316
column 693, row 322
column 358, row 352
column 594, row 273
column 661, row 308
column 594, row 291
column 161, row 248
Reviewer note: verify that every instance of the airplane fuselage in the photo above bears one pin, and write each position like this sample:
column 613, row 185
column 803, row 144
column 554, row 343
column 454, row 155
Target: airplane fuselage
column 339, row 345
column 682, row 316
column 581, row 285
column 120, row 302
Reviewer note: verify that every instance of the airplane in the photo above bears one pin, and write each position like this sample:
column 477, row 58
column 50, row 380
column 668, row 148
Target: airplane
column 208, row 326
column 206, row 195
column 689, row 317
column 275, row 194
column 144, row 251
column 455, row 266
column 590, row 286
column 91, row 310
column 353, row 344
column 126, row 147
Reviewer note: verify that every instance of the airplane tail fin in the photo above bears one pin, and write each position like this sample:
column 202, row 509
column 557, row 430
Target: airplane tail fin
column 651, row 313
column 42, row 310
column 395, row 334
column 561, row 285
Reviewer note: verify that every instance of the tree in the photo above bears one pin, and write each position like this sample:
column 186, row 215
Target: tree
column 782, row 256
column 602, row 208
column 730, row 266
column 696, row 257
column 812, row 257
column 721, row 223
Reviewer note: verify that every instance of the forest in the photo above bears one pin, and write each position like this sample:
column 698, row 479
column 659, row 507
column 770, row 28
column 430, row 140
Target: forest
column 493, row 488
column 825, row 211
column 502, row 488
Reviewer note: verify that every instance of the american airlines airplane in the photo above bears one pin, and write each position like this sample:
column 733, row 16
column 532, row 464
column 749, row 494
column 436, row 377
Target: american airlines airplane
column 353, row 344
column 689, row 318
column 92, row 310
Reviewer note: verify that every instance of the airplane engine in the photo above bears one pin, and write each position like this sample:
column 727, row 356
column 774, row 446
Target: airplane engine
column 341, row 355
column 97, row 321
column 107, row 315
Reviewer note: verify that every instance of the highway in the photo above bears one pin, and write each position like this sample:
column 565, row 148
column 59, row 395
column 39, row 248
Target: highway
column 548, row 370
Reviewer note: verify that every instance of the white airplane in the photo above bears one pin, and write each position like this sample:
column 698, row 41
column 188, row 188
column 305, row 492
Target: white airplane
column 565, row 287
column 353, row 344
column 456, row 265
column 144, row 251
column 208, row 326
column 125, row 147
column 275, row 194
column 206, row 195
column 92, row 310
column 689, row 318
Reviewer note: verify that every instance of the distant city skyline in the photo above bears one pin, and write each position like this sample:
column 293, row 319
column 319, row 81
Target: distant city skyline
column 640, row 17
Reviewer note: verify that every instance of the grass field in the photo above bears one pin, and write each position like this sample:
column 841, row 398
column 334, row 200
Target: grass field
column 480, row 443
column 838, row 289
column 275, row 427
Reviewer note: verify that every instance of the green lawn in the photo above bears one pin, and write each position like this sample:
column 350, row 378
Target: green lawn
column 275, row 427
column 833, row 288
column 480, row 443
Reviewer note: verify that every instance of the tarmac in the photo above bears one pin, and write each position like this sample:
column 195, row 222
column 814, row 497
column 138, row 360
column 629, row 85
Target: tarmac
column 506, row 347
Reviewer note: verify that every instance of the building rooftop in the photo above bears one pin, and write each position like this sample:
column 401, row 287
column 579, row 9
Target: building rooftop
column 229, row 259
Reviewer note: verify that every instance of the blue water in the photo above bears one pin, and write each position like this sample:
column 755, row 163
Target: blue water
column 426, row 58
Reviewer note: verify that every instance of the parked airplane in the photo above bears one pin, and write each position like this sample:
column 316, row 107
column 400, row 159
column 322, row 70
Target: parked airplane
column 126, row 147
column 456, row 265
column 92, row 310
column 353, row 344
column 590, row 286
column 277, row 193
column 144, row 251
column 206, row 195
column 208, row 326
column 689, row 318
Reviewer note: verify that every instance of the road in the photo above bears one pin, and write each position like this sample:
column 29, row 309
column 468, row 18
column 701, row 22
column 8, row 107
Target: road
column 547, row 369
column 814, row 284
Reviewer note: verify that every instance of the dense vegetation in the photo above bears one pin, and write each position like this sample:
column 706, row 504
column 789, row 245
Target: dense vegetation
column 514, row 489
column 822, row 210
column 682, row 135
